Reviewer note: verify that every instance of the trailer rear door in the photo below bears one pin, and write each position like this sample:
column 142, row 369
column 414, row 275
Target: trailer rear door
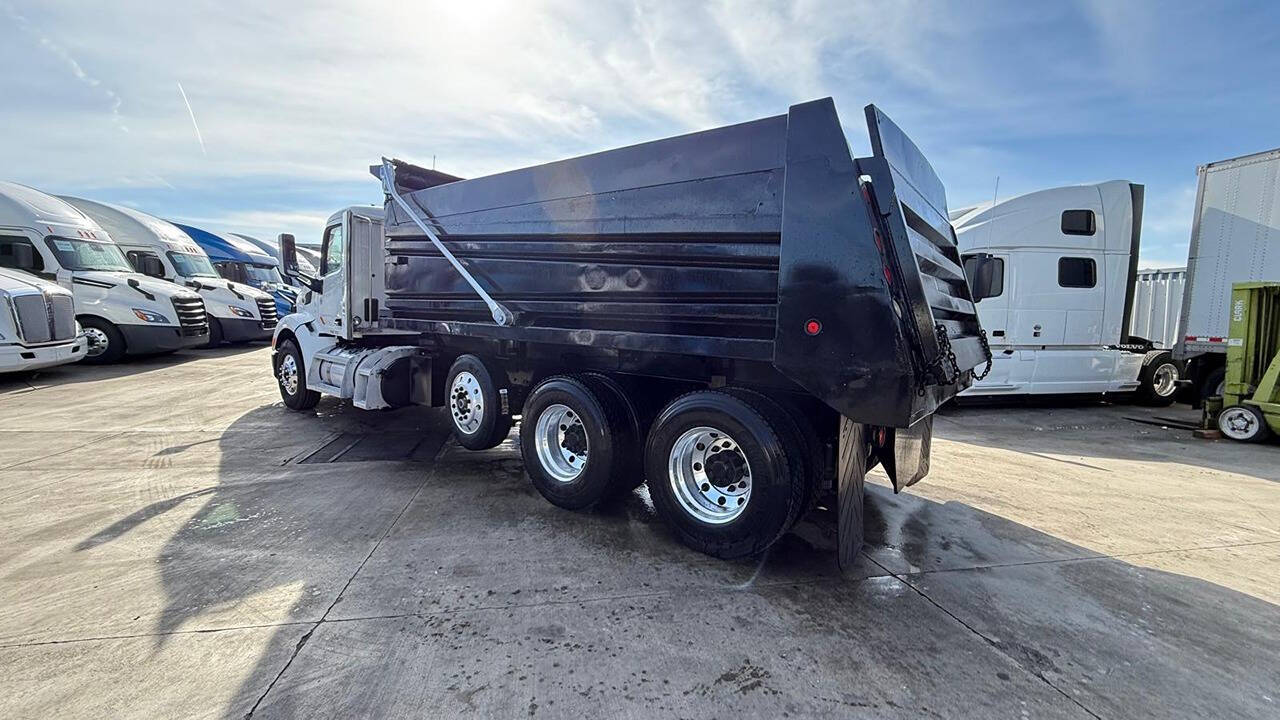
column 1235, row 237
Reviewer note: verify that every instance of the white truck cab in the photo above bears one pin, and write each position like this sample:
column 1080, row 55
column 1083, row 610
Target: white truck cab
column 327, row 321
column 237, row 312
column 1066, row 263
column 38, row 327
column 123, row 312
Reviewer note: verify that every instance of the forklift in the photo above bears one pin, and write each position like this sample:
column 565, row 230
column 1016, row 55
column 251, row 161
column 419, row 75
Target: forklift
column 1249, row 409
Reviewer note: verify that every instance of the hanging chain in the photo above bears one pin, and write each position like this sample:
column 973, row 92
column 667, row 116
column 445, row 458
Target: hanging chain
column 946, row 369
column 986, row 350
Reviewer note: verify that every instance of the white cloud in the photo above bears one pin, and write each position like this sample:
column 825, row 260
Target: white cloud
column 294, row 100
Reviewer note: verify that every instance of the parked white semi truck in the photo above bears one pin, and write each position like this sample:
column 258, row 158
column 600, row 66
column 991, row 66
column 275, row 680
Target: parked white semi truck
column 1066, row 260
column 38, row 327
column 1235, row 237
column 158, row 248
column 123, row 312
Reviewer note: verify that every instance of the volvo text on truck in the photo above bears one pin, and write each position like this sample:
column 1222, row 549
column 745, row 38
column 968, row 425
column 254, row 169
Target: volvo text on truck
column 38, row 326
column 1066, row 264
column 747, row 318
column 1235, row 237
column 155, row 247
column 122, row 311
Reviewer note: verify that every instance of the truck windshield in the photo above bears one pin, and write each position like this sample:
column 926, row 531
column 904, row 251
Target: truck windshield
column 77, row 254
column 192, row 265
column 263, row 273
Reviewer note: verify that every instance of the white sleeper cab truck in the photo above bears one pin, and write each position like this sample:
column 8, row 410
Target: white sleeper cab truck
column 38, row 326
column 155, row 247
column 1065, row 263
column 122, row 311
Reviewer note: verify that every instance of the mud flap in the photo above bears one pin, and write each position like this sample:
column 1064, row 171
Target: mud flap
column 851, row 470
column 904, row 452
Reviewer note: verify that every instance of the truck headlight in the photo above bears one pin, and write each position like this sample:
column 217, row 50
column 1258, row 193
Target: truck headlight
column 240, row 311
column 151, row 317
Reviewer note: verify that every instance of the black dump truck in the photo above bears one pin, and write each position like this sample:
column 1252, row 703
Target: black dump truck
column 746, row 319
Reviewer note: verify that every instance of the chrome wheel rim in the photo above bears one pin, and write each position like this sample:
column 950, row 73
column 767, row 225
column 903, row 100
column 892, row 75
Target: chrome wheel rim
column 466, row 403
column 1165, row 380
column 98, row 341
column 289, row 375
column 710, row 475
column 560, row 441
column 1238, row 423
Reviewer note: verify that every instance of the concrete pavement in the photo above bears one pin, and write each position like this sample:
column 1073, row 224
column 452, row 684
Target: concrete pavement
column 175, row 543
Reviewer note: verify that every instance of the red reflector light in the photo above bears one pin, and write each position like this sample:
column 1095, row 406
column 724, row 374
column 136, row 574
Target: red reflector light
column 813, row 327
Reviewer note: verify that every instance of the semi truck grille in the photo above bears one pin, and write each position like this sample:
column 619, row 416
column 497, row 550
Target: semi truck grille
column 191, row 316
column 45, row 318
column 267, row 309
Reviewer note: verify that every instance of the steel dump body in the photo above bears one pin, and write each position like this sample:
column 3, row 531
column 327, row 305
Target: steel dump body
column 762, row 247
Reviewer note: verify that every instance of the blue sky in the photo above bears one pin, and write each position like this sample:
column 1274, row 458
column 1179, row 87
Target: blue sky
column 294, row 101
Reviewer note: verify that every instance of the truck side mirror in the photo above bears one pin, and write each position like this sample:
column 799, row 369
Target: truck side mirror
column 289, row 255
column 289, row 264
column 983, row 272
column 152, row 266
column 24, row 256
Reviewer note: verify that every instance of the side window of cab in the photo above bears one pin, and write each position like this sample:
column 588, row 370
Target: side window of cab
column 334, row 250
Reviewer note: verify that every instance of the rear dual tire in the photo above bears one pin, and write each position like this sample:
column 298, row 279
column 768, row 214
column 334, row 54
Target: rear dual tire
column 727, row 471
column 578, row 440
column 1158, row 380
column 475, row 405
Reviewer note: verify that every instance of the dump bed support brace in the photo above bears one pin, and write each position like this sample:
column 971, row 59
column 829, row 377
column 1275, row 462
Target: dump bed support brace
column 501, row 315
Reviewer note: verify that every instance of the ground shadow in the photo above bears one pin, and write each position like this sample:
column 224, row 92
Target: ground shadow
column 1104, row 630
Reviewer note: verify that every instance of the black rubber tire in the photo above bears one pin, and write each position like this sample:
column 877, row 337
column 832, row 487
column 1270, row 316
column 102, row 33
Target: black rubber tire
column 1262, row 433
column 215, row 333
column 788, row 418
column 303, row 398
column 629, row 438
column 605, row 424
column 1212, row 379
column 115, row 342
column 774, row 453
column 1155, row 360
column 494, row 426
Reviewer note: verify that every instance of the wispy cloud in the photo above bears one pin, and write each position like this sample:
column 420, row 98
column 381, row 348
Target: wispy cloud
column 70, row 62
column 1039, row 94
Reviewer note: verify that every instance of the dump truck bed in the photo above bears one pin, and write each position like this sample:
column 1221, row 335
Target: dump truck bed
column 764, row 242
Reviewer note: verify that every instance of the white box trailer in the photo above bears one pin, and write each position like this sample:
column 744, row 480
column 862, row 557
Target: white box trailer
column 1235, row 237
column 1157, row 305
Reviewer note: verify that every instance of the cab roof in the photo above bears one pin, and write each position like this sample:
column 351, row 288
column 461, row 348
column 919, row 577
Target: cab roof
column 226, row 246
column 22, row 206
column 127, row 225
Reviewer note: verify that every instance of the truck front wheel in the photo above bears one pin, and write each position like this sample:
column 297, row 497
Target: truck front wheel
column 105, row 343
column 574, row 441
column 291, row 376
column 724, row 473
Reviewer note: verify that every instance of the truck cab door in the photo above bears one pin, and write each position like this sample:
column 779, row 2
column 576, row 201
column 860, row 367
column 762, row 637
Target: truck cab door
column 366, row 261
column 331, row 305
